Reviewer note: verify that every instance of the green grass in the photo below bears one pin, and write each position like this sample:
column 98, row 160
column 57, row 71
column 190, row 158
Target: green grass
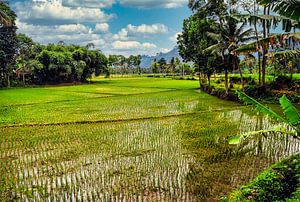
column 132, row 138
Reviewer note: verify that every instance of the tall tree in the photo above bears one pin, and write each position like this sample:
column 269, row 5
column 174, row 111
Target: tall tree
column 8, row 45
column 194, row 39
column 154, row 66
column 230, row 36
column 137, row 63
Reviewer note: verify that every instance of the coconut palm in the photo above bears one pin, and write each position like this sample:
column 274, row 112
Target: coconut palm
column 230, row 35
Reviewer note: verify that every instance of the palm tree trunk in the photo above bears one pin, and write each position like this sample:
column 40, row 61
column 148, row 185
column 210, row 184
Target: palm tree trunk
column 8, row 81
column 255, row 11
column 259, row 56
column 226, row 80
column 23, row 79
column 240, row 70
column 199, row 76
column 265, row 51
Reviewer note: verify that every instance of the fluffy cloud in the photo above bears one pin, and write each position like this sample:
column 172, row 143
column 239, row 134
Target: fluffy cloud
column 132, row 45
column 154, row 3
column 101, row 28
column 89, row 3
column 82, row 35
column 71, row 33
column 48, row 11
column 142, row 30
column 80, row 22
column 129, row 3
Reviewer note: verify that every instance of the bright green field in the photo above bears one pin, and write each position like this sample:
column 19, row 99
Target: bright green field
column 132, row 139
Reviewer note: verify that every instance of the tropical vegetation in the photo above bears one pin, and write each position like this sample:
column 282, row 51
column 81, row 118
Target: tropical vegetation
column 79, row 125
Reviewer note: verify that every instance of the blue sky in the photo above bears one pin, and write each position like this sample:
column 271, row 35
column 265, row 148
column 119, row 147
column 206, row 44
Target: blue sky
column 114, row 26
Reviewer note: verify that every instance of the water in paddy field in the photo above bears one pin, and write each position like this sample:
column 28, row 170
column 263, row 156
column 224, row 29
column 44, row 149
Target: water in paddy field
column 183, row 158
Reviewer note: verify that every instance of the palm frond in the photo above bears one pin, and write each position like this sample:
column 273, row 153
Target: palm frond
column 213, row 36
column 278, row 40
column 285, row 54
column 271, row 20
column 287, row 8
column 212, row 49
column 4, row 19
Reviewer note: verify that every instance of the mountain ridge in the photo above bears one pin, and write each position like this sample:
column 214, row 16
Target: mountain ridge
column 148, row 60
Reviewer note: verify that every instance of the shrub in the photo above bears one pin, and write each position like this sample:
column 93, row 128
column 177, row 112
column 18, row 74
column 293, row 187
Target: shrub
column 279, row 182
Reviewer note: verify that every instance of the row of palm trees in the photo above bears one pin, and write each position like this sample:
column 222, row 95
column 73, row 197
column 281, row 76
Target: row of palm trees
column 234, row 39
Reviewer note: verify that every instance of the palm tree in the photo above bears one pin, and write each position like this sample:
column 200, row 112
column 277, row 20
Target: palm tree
column 289, row 11
column 230, row 36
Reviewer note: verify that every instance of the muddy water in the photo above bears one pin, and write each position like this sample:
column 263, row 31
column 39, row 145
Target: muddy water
column 185, row 158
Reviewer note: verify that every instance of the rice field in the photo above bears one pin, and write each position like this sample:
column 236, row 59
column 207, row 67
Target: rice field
column 128, row 139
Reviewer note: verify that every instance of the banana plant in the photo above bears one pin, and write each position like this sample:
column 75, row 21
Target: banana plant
column 288, row 8
column 291, row 117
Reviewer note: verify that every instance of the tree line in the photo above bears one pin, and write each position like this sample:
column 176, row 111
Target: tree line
column 23, row 61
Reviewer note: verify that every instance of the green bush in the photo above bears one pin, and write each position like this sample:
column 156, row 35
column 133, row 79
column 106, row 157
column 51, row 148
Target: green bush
column 277, row 183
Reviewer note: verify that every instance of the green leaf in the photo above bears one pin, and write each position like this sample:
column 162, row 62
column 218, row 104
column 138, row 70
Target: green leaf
column 235, row 140
column 291, row 113
column 260, row 107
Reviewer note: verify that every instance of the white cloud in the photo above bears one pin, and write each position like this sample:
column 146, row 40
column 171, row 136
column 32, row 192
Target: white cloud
column 89, row 3
column 101, row 27
column 141, row 30
column 82, row 35
column 129, row 3
column 132, row 45
column 48, row 11
column 154, row 3
column 71, row 33
column 82, row 22
column 148, row 29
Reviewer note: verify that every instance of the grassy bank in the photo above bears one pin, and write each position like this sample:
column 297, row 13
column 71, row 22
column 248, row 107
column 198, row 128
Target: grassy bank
column 280, row 182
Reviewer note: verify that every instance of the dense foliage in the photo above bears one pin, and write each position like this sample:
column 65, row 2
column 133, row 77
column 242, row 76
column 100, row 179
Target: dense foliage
column 52, row 63
column 24, row 61
column 278, row 183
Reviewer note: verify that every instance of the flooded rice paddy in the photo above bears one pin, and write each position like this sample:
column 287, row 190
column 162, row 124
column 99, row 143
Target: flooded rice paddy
column 172, row 147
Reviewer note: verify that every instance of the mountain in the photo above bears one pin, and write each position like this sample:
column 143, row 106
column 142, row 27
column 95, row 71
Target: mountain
column 148, row 60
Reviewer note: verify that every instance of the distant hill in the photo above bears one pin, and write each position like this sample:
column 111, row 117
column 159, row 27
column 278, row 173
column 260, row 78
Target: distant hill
column 147, row 60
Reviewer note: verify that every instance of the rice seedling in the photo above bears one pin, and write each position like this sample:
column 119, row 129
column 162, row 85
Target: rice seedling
column 144, row 151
